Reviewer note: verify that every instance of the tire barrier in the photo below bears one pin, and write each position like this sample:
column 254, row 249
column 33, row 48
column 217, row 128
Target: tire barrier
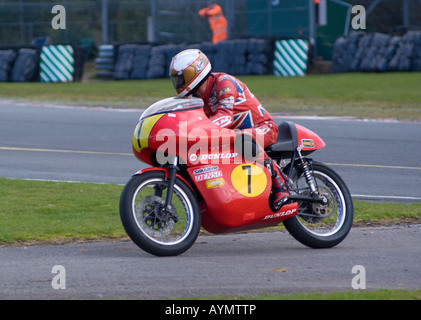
column 105, row 61
column 25, row 66
column 56, row 63
column 376, row 52
column 7, row 57
column 239, row 57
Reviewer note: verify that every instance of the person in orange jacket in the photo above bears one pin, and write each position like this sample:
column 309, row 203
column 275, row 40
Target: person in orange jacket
column 217, row 21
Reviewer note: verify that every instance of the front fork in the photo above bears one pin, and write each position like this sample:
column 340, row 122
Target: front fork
column 170, row 176
column 172, row 171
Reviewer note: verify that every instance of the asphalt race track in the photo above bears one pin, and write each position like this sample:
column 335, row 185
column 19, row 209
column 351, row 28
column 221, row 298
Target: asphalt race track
column 377, row 159
column 233, row 265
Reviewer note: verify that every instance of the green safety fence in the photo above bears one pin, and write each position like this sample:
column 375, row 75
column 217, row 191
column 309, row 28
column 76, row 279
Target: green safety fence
column 291, row 57
column 57, row 63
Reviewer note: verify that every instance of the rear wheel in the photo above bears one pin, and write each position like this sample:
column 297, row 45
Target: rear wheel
column 154, row 228
column 321, row 225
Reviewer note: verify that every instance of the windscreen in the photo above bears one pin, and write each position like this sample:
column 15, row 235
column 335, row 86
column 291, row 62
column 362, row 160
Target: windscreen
column 172, row 105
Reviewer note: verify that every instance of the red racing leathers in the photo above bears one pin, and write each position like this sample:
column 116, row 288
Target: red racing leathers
column 230, row 104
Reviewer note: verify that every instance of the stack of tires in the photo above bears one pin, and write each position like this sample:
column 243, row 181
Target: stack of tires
column 239, row 57
column 408, row 54
column 7, row 57
column 132, row 62
column 159, row 60
column 375, row 52
column 260, row 57
column 22, row 64
column 105, row 61
column 19, row 65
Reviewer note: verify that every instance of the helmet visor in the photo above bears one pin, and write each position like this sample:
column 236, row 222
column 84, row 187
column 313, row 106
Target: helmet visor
column 178, row 81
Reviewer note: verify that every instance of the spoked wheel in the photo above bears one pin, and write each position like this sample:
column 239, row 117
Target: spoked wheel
column 156, row 229
column 321, row 225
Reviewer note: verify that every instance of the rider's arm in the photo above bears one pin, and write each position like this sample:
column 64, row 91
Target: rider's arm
column 226, row 93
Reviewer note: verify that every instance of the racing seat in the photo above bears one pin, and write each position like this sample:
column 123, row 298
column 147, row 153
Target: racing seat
column 287, row 140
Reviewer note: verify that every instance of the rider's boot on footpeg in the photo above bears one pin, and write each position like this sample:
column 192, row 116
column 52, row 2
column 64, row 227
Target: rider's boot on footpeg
column 281, row 186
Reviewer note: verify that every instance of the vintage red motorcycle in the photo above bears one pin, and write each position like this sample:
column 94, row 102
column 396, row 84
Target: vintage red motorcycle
column 202, row 175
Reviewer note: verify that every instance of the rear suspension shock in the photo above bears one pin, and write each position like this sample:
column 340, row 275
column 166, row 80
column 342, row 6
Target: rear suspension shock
column 308, row 176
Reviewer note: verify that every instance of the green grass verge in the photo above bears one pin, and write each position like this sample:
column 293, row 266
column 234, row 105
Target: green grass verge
column 379, row 294
column 368, row 95
column 55, row 212
column 38, row 210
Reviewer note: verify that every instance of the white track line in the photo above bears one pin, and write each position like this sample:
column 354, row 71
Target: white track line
column 373, row 197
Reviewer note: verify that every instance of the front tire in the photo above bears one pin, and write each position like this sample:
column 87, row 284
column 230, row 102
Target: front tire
column 155, row 230
column 317, row 225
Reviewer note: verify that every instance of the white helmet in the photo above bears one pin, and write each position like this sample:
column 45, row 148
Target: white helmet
column 188, row 69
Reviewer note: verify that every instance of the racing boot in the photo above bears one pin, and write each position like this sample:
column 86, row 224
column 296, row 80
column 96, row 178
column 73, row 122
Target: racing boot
column 281, row 186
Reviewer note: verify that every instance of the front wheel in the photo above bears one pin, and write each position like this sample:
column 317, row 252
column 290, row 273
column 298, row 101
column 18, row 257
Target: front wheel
column 321, row 225
column 154, row 228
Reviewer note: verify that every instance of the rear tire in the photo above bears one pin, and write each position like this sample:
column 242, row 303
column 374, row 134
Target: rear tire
column 317, row 225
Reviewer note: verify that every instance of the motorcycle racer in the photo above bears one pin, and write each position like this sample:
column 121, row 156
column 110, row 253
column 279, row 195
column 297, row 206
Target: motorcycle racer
column 229, row 104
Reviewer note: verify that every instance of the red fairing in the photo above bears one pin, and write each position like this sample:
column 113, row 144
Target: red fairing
column 308, row 140
column 233, row 193
column 236, row 197
column 193, row 137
